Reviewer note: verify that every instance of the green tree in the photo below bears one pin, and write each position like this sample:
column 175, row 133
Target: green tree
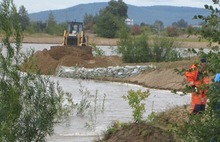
column 88, row 21
column 158, row 25
column 111, row 19
column 36, row 27
column 30, row 104
column 163, row 50
column 51, row 24
column 107, row 25
column 137, row 49
column 23, row 18
column 180, row 24
column 133, row 49
column 117, row 8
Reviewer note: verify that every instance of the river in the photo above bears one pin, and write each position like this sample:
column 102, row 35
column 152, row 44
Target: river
column 115, row 108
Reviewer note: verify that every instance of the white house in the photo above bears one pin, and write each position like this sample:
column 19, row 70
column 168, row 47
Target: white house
column 129, row 21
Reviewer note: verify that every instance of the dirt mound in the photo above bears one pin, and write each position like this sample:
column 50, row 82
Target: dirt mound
column 47, row 61
column 139, row 132
column 163, row 77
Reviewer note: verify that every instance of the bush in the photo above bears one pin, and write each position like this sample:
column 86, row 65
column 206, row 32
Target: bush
column 163, row 50
column 172, row 31
column 135, row 101
column 137, row 49
column 133, row 49
column 206, row 125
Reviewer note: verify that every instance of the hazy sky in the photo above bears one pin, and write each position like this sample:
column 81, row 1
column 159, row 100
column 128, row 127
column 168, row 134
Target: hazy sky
column 42, row 5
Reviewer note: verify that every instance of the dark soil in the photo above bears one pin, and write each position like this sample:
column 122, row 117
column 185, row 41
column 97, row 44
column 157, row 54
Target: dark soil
column 48, row 60
column 140, row 132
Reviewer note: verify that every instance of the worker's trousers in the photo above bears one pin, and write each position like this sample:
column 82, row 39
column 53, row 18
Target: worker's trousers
column 198, row 101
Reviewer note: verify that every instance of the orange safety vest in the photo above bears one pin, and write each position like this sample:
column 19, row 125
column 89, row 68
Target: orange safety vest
column 198, row 98
column 192, row 77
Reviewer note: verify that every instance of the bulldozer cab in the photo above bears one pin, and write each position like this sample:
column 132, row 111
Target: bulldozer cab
column 74, row 27
column 74, row 35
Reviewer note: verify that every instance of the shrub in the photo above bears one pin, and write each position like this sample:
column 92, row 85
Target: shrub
column 163, row 50
column 135, row 101
column 172, row 31
column 133, row 49
column 137, row 49
column 30, row 104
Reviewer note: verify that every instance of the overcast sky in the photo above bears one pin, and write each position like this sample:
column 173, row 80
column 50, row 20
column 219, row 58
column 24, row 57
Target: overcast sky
column 42, row 5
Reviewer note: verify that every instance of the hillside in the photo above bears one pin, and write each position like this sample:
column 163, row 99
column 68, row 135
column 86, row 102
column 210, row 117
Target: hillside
column 145, row 14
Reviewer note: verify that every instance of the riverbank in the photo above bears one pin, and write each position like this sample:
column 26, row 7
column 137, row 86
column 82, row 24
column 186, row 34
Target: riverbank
column 163, row 77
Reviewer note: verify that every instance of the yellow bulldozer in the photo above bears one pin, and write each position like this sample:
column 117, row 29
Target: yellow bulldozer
column 74, row 42
column 75, row 35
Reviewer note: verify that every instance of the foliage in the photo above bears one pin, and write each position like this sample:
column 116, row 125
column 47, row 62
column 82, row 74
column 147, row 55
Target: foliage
column 89, row 106
column 95, row 109
column 172, row 31
column 135, row 30
column 196, row 128
column 107, row 25
column 163, row 50
column 113, row 128
column 191, row 30
column 158, row 25
column 84, row 103
column 97, row 51
column 132, row 49
column 36, row 27
column 210, row 29
column 88, row 21
column 49, row 27
column 180, row 24
column 111, row 19
column 30, row 104
column 51, row 23
column 137, row 49
column 117, row 8
column 135, row 101
column 23, row 18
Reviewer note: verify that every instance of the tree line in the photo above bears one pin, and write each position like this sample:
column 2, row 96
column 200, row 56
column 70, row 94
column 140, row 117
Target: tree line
column 107, row 23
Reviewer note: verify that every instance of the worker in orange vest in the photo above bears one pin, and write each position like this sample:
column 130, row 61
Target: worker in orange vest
column 198, row 79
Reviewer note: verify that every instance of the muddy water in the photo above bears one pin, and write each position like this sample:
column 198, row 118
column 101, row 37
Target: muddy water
column 115, row 107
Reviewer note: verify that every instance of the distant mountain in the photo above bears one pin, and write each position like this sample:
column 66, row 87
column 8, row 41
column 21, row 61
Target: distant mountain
column 145, row 14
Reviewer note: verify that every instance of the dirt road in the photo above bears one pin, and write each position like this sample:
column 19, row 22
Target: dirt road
column 108, row 41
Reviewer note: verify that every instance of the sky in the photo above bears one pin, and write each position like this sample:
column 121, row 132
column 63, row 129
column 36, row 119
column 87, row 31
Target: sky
column 33, row 6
